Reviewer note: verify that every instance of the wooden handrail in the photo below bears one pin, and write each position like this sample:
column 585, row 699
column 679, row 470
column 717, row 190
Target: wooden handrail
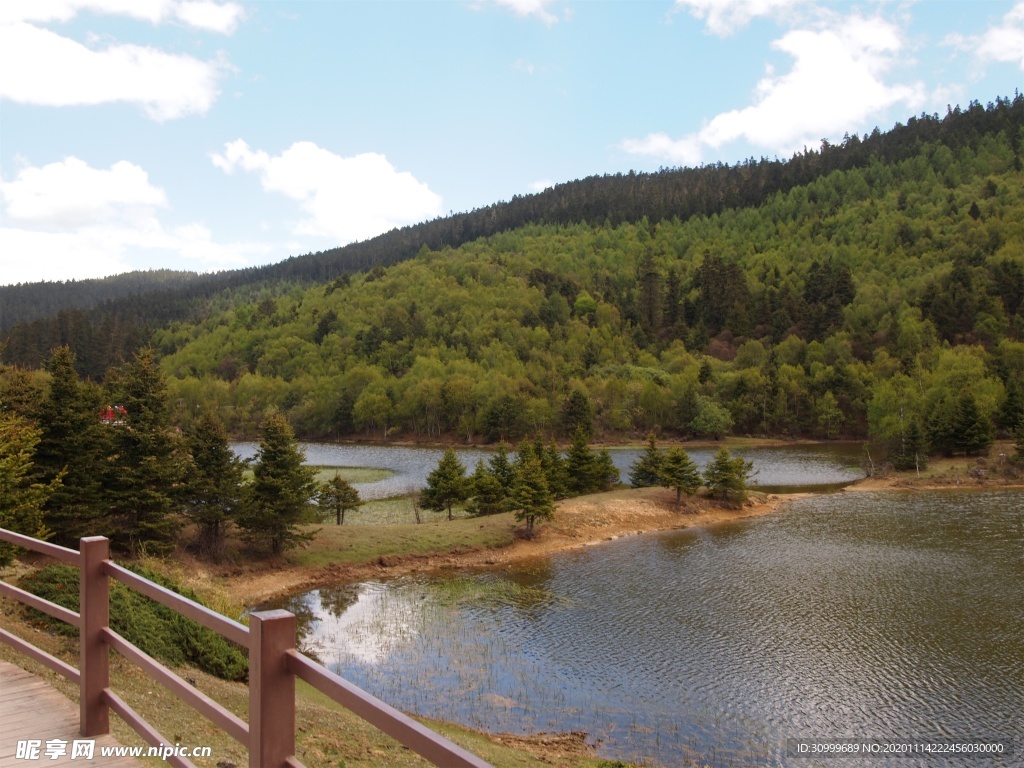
column 45, row 548
column 140, row 726
column 232, row 630
column 33, row 601
column 274, row 664
column 38, row 654
column 401, row 727
column 226, row 720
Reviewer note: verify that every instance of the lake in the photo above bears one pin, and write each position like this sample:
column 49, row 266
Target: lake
column 779, row 468
column 892, row 615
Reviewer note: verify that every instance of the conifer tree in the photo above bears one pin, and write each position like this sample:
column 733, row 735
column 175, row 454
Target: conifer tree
column 338, row 496
column 726, row 477
column 73, row 445
column 606, row 474
column 530, row 495
column 280, row 492
column 446, row 485
column 972, row 429
column 577, row 414
column 488, row 495
column 646, row 470
column 554, row 469
column 21, row 499
column 501, row 468
column 677, row 471
column 212, row 492
column 579, row 463
column 146, row 463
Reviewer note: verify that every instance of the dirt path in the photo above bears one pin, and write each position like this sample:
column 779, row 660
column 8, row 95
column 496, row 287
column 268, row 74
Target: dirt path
column 578, row 522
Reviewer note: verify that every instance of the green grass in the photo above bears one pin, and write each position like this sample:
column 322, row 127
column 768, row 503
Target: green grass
column 397, row 510
column 353, row 474
column 368, row 543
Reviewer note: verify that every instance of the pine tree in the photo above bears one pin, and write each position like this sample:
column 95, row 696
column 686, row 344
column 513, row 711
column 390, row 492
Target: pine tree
column 646, row 470
column 212, row 492
column 678, row 472
column 446, row 485
column 488, row 496
column 338, row 496
column 530, row 495
column 554, row 469
column 727, row 477
column 279, row 496
column 501, row 468
column 21, row 499
column 972, row 429
column 73, row 445
column 579, row 462
column 146, row 464
column 606, row 474
column 577, row 414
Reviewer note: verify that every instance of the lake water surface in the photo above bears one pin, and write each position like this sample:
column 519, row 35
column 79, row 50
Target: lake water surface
column 777, row 467
column 878, row 615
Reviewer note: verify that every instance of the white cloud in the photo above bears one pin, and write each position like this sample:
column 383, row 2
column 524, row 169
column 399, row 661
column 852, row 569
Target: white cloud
column 1004, row 43
column 836, row 83
column 202, row 14
column 40, row 67
column 540, row 186
column 526, row 8
column 71, row 194
column 67, row 220
column 723, row 17
column 347, row 198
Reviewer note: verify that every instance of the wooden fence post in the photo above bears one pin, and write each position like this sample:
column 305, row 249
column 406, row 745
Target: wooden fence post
column 94, row 657
column 271, row 689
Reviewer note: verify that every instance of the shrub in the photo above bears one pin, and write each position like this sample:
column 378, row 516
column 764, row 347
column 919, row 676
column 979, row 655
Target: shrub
column 155, row 629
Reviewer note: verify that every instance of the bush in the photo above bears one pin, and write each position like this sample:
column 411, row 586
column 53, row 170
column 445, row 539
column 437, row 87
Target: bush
column 155, row 629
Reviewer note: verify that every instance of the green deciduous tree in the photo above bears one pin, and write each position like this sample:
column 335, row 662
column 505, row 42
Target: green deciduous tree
column 447, row 485
column 711, row 419
column 279, row 496
column 726, row 477
column 336, row 496
column 678, row 472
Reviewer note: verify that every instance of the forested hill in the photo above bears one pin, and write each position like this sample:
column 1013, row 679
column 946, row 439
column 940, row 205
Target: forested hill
column 108, row 332
column 878, row 300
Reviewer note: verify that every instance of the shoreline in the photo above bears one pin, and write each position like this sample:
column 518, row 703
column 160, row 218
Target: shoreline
column 583, row 521
column 579, row 522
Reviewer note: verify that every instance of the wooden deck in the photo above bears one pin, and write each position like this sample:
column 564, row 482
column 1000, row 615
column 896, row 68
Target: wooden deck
column 31, row 709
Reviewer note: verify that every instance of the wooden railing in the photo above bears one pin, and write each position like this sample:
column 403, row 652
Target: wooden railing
column 274, row 664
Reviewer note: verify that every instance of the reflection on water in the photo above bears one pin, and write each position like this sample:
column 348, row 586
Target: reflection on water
column 891, row 615
column 778, row 469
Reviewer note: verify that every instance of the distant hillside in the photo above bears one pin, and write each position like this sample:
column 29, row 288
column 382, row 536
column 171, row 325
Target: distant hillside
column 28, row 301
column 116, row 326
column 868, row 301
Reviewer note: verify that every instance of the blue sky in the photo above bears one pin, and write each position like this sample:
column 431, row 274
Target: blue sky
column 205, row 135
